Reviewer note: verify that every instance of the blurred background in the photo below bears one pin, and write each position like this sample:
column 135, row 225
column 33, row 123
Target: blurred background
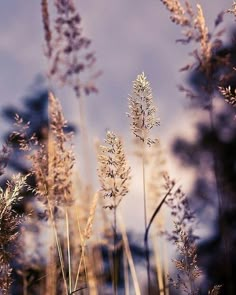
column 130, row 37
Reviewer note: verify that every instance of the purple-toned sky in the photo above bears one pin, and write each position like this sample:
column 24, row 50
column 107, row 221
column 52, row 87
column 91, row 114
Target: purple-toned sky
column 129, row 36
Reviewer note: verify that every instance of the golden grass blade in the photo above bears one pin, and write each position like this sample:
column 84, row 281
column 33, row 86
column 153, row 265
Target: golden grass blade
column 82, row 257
column 51, row 272
column 58, row 246
column 126, row 275
column 159, row 270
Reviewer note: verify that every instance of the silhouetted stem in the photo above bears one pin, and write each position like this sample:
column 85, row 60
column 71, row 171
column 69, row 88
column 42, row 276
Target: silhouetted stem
column 82, row 288
column 146, row 237
column 155, row 213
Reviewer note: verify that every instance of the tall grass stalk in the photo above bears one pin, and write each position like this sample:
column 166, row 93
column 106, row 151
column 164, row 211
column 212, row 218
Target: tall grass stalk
column 59, row 250
column 115, row 264
column 70, row 62
column 144, row 185
column 82, row 259
column 84, row 236
column 51, row 272
column 49, row 195
column 114, row 176
column 126, row 274
column 142, row 113
column 82, row 256
column 91, row 274
column 146, row 234
column 146, row 242
column 208, row 63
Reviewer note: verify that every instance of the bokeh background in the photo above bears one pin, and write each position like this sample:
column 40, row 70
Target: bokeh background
column 128, row 37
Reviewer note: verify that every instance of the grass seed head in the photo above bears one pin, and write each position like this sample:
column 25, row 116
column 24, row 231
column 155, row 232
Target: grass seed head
column 113, row 170
column 142, row 111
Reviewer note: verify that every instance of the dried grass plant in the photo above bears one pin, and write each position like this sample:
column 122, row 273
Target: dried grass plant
column 228, row 93
column 9, row 227
column 114, row 176
column 67, row 48
column 185, row 241
column 196, row 30
column 71, row 61
column 208, row 62
column 142, row 114
column 69, row 204
column 52, row 165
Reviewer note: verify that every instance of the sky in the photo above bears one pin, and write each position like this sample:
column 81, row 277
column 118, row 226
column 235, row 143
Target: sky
column 129, row 37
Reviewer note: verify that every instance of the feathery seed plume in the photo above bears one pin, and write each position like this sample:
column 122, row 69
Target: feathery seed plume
column 233, row 9
column 230, row 96
column 89, row 224
column 113, row 170
column 178, row 12
column 203, row 36
column 67, row 49
column 53, row 162
column 195, row 29
column 46, row 27
column 215, row 291
column 142, row 110
column 9, row 222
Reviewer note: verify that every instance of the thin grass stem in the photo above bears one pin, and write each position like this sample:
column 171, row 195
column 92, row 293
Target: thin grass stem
column 48, row 196
column 114, row 250
column 144, row 187
column 79, row 267
column 146, row 246
column 68, row 250
column 126, row 274
column 82, row 253
column 129, row 257
column 58, row 246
